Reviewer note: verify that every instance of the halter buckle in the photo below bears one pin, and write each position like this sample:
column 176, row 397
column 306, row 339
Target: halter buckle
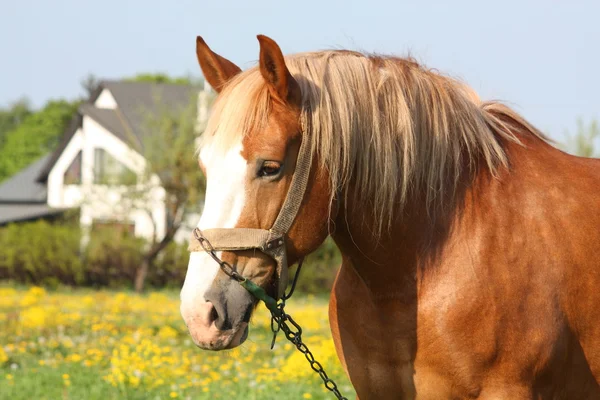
column 275, row 243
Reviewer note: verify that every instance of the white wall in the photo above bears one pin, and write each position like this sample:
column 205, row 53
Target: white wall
column 102, row 202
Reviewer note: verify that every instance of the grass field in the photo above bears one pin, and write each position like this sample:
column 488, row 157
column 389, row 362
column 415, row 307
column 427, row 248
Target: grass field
column 83, row 344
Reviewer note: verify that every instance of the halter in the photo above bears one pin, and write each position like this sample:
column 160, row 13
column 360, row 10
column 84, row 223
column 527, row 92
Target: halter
column 271, row 241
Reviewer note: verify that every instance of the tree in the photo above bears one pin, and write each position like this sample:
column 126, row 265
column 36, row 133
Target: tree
column 10, row 118
column 90, row 85
column 33, row 134
column 170, row 174
column 171, row 163
column 583, row 143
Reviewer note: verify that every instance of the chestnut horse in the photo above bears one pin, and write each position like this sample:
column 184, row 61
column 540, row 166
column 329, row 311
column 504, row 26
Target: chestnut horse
column 471, row 246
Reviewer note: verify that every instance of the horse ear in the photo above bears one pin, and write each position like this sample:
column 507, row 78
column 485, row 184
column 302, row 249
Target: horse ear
column 273, row 69
column 217, row 70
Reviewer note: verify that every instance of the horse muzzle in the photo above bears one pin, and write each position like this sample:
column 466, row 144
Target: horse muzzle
column 202, row 324
column 219, row 320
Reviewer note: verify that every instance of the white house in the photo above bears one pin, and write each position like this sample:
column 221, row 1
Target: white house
column 103, row 141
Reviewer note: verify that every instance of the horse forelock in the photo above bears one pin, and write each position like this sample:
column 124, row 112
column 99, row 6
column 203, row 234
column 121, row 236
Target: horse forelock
column 382, row 127
column 241, row 107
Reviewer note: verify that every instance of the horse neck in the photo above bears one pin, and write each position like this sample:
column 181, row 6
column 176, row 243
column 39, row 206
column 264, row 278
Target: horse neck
column 416, row 240
column 392, row 258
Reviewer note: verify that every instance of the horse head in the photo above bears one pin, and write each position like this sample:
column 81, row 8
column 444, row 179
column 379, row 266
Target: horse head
column 248, row 154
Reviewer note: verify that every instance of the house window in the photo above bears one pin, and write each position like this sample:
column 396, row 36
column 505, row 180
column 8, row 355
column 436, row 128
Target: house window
column 73, row 173
column 120, row 228
column 109, row 171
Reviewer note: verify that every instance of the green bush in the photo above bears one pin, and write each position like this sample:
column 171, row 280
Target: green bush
column 319, row 269
column 170, row 268
column 49, row 254
column 41, row 253
column 111, row 258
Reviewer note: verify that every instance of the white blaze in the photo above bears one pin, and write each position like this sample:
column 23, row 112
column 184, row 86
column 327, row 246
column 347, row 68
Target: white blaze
column 224, row 201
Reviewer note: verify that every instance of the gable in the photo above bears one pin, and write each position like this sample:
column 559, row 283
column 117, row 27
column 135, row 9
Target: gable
column 122, row 108
column 105, row 100
column 111, row 120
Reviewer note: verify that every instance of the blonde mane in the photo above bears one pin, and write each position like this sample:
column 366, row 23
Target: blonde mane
column 382, row 125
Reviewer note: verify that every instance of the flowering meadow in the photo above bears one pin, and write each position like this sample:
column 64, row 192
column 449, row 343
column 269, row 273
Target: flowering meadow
column 84, row 344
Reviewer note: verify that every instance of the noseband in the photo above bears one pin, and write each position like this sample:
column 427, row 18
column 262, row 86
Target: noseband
column 271, row 242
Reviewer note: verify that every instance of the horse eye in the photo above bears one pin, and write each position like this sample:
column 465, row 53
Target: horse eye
column 269, row 168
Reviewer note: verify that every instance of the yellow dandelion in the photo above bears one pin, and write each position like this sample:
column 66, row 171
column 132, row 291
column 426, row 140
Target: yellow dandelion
column 173, row 395
column 75, row 357
column 33, row 317
column 307, row 396
column 3, row 356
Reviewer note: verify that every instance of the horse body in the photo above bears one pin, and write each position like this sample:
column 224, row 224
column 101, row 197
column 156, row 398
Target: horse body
column 504, row 308
column 470, row 245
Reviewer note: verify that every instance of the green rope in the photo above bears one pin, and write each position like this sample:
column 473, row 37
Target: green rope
column 260, row 294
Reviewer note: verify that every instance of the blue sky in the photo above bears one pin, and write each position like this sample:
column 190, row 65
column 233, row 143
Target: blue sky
column 541, row 57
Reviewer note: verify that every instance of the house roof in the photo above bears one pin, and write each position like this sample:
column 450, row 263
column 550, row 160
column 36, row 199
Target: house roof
column 23, row 186
column 135, row 101
column 23, row 198
column 25, row 212
column 64, row 141
column 112, row 120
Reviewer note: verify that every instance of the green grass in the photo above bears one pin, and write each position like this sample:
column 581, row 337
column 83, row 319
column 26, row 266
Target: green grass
column 83, row 344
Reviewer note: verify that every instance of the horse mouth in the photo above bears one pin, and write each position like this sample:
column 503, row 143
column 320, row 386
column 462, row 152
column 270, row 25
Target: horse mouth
column 222, row 340
column 240, row 337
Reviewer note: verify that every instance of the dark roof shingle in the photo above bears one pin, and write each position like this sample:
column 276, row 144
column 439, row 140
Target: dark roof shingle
column 110, row 119
column 23, row 186
column 137, row 100
column 24, row 212
column 22, row 198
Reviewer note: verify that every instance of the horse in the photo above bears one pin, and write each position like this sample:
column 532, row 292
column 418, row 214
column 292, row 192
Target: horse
column 470, row 244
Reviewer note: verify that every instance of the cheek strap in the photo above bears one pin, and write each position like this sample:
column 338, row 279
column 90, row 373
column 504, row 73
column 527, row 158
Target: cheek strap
column 272, row 241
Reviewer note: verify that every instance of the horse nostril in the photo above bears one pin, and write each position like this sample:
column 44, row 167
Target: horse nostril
column 218, row 316
column 214, row 315
column 248, row 313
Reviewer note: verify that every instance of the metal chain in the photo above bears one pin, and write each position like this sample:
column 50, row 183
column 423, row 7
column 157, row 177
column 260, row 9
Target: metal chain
column 225, row 266
column 279, row 318
column 279, row 321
